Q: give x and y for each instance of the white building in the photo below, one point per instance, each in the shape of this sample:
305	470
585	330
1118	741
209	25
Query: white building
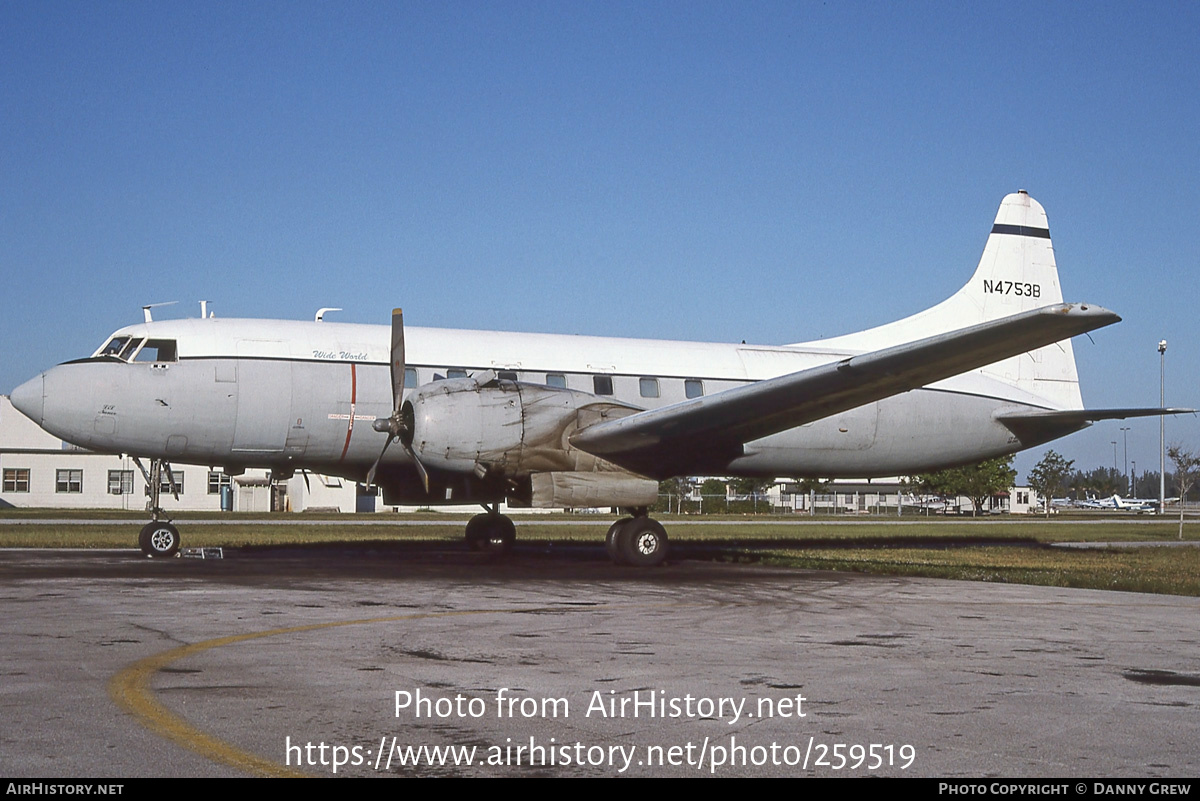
40	471
891	496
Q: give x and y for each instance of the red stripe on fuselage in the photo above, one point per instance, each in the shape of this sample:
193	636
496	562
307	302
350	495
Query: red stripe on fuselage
353	401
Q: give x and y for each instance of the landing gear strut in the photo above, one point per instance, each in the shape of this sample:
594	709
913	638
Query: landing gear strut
491	532
637	541
158	538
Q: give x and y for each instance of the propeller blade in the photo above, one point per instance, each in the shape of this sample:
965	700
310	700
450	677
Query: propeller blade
396	425
420	467
397	363
375	466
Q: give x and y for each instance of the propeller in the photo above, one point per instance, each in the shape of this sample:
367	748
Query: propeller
399	425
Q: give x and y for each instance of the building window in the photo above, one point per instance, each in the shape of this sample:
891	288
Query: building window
216	480
602	384
120	482
693	388
648	387
68	481
556	380
16	479
165	483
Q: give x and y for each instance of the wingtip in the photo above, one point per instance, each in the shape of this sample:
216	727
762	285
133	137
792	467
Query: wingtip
1091	310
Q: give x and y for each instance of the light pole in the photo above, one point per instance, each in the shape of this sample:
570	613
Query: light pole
1133	481
1125	440
1114	444
1162	426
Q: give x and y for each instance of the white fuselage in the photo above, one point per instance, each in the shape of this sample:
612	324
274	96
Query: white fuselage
303	395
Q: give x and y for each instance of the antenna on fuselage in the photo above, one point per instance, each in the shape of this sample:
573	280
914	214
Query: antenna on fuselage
146	309
321	313
204	312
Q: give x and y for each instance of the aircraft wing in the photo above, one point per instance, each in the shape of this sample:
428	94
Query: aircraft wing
705	433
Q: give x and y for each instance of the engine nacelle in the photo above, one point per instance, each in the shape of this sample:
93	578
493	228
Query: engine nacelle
493	427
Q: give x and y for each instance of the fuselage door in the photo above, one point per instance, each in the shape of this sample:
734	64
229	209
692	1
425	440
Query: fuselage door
264	403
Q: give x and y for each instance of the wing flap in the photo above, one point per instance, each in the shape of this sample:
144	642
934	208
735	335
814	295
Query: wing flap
654	442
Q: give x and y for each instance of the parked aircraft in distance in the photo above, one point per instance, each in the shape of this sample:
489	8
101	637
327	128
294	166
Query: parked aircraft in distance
574	421
1138	505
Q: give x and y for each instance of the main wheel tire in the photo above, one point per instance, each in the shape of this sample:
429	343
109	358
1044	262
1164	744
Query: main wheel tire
159	540
643	542
501	535
611	545
477	531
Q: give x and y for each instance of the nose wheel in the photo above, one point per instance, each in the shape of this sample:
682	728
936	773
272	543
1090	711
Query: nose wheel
159	539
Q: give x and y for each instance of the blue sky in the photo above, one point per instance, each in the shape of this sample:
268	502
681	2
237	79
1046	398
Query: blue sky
772	172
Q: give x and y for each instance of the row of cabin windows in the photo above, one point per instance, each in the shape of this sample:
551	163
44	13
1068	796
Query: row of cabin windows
601	384
164	350
120	482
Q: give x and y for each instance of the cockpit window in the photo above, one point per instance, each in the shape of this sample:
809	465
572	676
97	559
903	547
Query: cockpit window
113	348
157	350
128	350
140	350
120	348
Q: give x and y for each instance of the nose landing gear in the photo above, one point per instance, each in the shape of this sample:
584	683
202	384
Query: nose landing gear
158	538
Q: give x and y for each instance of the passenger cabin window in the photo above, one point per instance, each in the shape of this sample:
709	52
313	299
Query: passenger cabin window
507	375
556	380
602	384
648	387
157	350
456	372
410	377
693	388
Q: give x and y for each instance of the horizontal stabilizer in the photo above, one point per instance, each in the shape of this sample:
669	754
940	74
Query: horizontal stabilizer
660	442
1034	428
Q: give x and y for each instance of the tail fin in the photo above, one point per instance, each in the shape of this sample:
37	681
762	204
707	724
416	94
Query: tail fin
1016	273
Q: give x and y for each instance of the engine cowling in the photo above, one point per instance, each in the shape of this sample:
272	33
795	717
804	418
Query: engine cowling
497	427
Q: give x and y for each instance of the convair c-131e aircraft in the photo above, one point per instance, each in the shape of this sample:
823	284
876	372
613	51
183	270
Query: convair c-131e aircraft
560	421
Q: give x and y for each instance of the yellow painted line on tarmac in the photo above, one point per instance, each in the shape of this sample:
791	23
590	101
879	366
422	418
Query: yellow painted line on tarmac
130	689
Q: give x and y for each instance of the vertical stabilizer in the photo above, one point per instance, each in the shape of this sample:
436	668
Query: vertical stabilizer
1016	273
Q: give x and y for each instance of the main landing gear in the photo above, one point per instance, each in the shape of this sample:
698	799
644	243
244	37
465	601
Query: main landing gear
637	541
158	538
491	532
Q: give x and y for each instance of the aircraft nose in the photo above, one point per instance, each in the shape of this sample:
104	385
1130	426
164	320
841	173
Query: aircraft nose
29	398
